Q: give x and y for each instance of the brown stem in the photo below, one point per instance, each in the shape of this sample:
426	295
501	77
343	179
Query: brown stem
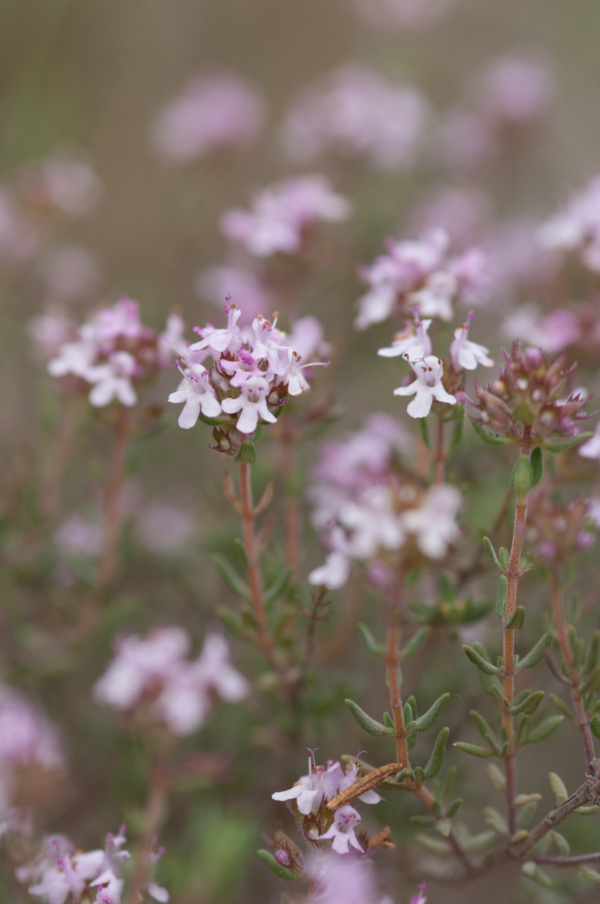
568	862
589	791
583	720
265	640
154	815
292	508
440	454
58	457
392	661
508	645
112	499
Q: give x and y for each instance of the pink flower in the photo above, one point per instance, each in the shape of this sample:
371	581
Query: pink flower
198	395
213	114
412	343
591	448
251	404
354	112
27	737
577	228
113	380
280	216
66	182
342	831
465	354
516	90
427	387
227	339
70	273
434	523
79	537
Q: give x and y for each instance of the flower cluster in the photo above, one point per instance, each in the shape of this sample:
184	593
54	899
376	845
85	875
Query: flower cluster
576	229
31	760
403	15
282	217
558	532
253	373
153	682
310	796
367	507
212	114
113	351
422	274
59	873
524	405
353	112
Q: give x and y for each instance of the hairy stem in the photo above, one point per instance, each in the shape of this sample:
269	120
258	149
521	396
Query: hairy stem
265	640
583	720
568	862
154	815
508	647
112	499
586	793
440	454
392	661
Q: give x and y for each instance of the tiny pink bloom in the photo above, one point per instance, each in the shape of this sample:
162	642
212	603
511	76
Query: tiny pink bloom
341	831
465	354
412	342
113	380
427	387
197	393
252	405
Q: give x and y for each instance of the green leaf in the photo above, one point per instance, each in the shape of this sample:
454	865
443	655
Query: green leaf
533	872
587	811
474	750
489	548
592	683
537	465
524	729
448	783
501	595
232	622
504	557
529	704
568	443
484	730
495	820
389	722
526	814
366	722
595	725
522	478
246	455
593	652
457	433
536	653
497	778
419	775
544	729
559	788
276	866
488	438
453	808
561	843
436	760
230	577
424	430
279	585
425	822
516	621
416	642
589	873
562	706
479	661
369	642
425	721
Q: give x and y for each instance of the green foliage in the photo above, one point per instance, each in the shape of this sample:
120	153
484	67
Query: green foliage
369	642
247	453
501	595
276	867
523	477
516	621
474	750
544	729
366	722
536	654
529	704
537	465
436	760
424	722
482	664
489	548
232	580
488	437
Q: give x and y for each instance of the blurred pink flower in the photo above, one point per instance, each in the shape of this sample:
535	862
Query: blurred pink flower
576	229
65	182
280	216
165	528
465	354
355	112
553	333
213	113
78	537
49	331
70	273
462	213
516	90
19	238
154	678
27	737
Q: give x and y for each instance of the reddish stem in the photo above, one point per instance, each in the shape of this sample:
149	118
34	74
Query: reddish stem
154	815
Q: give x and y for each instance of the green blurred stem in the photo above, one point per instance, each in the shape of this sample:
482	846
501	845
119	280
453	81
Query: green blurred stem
112	498
440	454
513	574
583	720
154	816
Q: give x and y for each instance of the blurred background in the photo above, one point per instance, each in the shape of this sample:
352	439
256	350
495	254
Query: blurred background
94	76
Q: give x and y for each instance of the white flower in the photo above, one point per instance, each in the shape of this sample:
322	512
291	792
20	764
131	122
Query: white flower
466	354
436	296
227	339
267	345
415	344
342	830
427	387
73	358
252	403
334	572
591	448
434	523
198	395
113	380
214	671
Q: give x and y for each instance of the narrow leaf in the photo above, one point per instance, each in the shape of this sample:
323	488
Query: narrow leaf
595	725
247	455
474	750
436	760
562	707
487	437
569	443
453	808
536	653
559	788
479	661
497	778
279	585
529	704
366	722
448	783
501	595
516	620
489	548
369	642
416	642
484	729
424	722
276	866
537	465
545	729
592	684
231	578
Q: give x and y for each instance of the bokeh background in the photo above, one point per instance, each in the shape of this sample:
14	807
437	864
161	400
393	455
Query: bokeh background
95	74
